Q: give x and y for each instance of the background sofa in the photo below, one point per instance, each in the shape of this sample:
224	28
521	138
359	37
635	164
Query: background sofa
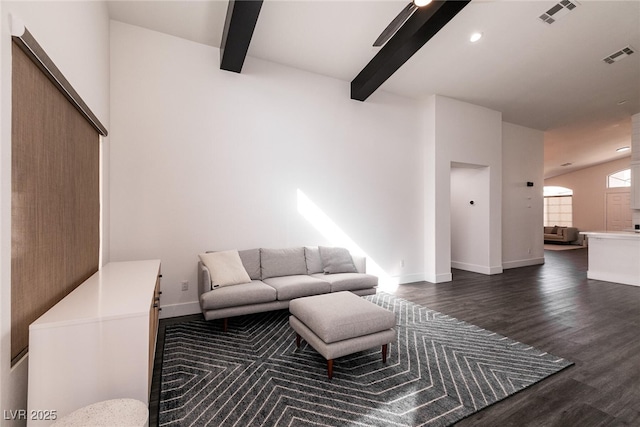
276	276
558	234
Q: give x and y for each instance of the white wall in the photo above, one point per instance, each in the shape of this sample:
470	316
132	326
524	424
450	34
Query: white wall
204	159
522	206
458	132
76	37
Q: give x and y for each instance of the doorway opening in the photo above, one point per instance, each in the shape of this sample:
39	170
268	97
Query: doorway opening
470	218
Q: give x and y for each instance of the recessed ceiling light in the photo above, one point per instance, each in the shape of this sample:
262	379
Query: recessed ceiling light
475	37
421	3
623	149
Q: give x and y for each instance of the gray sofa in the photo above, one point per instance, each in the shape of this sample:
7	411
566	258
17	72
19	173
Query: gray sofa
558	234
276	276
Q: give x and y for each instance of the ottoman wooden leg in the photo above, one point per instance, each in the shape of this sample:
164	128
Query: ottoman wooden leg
384	353
298	340
330	368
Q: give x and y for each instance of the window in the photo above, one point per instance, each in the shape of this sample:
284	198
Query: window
558	206
619	179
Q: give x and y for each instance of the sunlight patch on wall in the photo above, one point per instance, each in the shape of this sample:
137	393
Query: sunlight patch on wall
334	234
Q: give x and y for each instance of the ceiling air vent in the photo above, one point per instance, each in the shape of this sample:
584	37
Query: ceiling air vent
558	11
621	54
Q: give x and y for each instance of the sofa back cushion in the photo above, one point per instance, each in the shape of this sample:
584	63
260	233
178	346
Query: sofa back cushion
336	260
282	262
314	262
251	261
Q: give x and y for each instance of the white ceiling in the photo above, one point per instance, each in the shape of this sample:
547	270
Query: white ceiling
547	77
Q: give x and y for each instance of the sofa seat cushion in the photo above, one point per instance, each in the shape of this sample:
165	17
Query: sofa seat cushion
290	287
254	292
348	281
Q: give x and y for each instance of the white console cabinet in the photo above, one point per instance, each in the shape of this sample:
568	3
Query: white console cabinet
98	343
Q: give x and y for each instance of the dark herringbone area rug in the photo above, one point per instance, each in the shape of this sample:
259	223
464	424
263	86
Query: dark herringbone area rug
439	371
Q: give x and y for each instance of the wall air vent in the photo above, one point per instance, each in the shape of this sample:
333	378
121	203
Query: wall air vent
621	54
558	11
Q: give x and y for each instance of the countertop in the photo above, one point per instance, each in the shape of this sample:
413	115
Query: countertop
114	291
612	234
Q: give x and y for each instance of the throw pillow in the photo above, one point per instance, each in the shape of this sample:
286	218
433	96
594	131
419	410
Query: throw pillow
225	268
336	260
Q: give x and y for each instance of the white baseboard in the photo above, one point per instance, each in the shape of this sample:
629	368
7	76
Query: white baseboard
522	263
482	269
411	278
177	310
496	269
438	278
613	277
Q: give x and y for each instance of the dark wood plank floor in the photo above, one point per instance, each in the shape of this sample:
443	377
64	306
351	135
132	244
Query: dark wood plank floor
553	307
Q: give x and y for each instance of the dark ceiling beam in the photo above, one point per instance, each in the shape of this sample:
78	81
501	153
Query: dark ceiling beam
242	16
419	29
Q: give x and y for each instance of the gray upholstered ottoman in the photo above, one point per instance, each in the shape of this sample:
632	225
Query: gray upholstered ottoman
341	323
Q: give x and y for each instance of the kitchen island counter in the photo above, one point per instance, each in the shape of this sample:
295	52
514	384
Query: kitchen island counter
614	256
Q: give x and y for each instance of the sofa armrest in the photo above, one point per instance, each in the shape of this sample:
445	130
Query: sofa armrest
360	261
570	234
204	279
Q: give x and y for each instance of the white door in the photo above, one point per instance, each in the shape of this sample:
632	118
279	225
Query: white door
618	214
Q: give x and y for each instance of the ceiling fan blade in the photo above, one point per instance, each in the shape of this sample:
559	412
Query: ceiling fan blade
395	24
